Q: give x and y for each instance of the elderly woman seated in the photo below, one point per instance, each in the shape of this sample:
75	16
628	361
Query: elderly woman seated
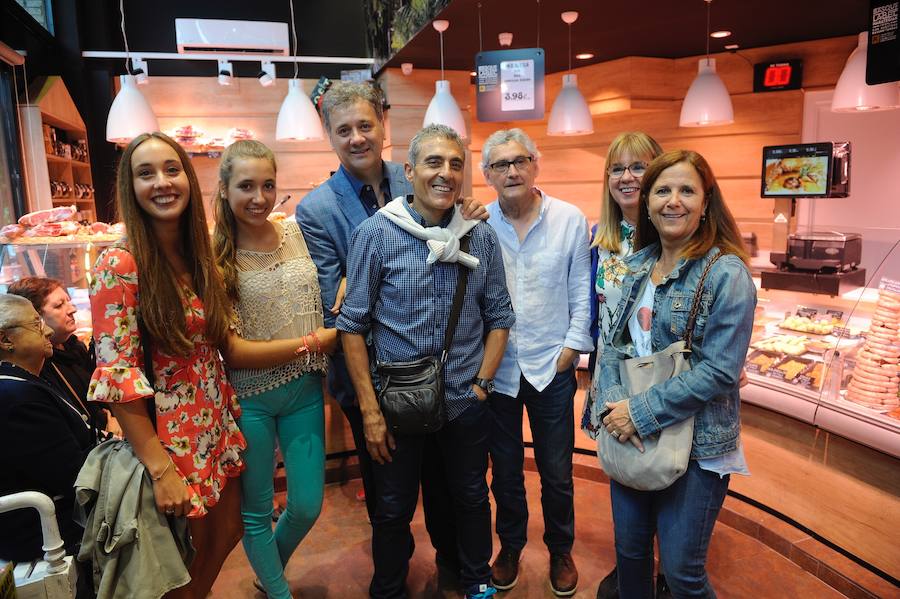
70	368
43	435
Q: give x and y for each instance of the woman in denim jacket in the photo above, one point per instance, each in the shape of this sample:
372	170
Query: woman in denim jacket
683	223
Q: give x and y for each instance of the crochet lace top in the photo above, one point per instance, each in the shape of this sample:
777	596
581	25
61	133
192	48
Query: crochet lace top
279	299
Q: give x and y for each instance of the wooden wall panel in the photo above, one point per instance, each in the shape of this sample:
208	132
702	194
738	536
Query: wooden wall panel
645	94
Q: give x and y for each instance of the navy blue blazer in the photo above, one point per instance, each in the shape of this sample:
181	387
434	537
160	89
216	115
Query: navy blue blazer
328	215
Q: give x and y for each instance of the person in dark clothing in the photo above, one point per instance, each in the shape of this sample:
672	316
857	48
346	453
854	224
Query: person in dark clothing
44	436
70	368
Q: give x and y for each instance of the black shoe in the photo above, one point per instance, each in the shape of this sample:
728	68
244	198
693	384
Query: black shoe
662	587
609	586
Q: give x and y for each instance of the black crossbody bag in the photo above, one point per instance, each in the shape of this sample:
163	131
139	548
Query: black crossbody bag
411	394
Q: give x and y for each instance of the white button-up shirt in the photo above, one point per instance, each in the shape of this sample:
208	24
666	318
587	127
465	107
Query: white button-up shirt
548	276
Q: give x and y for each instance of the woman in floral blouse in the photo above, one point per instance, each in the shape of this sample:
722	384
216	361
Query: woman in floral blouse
627	159
160	289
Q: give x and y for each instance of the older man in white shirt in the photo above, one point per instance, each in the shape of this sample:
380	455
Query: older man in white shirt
546	255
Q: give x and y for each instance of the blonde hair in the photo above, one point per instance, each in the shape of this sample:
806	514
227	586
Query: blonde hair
638	144
162	302
225	232
717	229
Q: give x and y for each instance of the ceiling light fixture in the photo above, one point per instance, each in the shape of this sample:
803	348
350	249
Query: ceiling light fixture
297	118
505	39
266	73
707	101
130	114
731	46
720	34
584	56
443	109
570	114
853	94
226	72
406	68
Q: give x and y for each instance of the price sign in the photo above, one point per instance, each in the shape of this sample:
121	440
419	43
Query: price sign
509	84
516	85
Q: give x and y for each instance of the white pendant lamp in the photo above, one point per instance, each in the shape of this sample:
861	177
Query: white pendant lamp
853	94
130	114
570	114
297	117
443	109
707	102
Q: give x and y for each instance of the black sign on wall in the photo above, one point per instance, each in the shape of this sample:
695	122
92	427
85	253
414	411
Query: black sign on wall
883	62
777	75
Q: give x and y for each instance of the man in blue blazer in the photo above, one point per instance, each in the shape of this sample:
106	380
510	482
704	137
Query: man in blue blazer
328	215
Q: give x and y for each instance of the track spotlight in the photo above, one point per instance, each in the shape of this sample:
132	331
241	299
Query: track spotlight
139	70
226	72
267	74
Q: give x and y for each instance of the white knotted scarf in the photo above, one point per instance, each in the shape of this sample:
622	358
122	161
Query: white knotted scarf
443	243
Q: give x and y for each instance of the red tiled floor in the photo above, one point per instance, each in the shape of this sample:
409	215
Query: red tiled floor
334	560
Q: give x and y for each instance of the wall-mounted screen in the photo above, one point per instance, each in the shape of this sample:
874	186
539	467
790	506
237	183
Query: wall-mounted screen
806	170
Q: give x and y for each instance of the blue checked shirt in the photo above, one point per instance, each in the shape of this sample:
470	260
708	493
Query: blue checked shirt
549	278
406	302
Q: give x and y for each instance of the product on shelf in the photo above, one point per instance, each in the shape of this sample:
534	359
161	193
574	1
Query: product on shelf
761	361
805	324
815	374
792	367
51	215
875	381
59	229
791	345
12	231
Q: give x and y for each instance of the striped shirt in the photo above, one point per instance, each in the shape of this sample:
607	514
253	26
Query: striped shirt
406	303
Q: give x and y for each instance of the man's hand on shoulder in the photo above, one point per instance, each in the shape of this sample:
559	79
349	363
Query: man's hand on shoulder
472	209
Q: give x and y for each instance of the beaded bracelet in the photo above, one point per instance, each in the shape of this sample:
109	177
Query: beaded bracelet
318	342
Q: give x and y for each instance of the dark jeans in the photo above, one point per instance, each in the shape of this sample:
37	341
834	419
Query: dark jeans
463	446
682	517
436	503
550	413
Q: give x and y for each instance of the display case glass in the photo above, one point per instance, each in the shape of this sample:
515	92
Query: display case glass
832	361
69	261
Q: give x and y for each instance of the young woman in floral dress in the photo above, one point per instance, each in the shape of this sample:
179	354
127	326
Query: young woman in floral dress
164	276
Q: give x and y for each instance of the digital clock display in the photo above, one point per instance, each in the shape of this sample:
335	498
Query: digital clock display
777	76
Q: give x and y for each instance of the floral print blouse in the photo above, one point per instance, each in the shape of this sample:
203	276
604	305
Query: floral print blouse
611	271
196	407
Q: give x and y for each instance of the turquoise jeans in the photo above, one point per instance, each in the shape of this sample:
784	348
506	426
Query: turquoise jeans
294	415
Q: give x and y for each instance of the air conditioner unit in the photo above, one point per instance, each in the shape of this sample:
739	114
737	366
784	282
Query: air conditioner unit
231	37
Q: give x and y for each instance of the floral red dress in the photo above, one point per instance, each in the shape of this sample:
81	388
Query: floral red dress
196	407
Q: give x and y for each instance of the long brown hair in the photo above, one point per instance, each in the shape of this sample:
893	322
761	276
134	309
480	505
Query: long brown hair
162	301
225	232
718	229
638	144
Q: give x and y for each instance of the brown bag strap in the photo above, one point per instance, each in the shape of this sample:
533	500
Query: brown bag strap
695	306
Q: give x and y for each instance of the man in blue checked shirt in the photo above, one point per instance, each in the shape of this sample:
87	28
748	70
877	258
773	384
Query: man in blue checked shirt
405	303
547	261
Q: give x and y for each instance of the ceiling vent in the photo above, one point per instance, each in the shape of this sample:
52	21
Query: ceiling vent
231	37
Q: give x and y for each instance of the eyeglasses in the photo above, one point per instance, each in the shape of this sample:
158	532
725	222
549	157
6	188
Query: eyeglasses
637	170
501	166
39	322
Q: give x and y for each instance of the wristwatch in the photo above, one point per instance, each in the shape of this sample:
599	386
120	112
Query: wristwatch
486	384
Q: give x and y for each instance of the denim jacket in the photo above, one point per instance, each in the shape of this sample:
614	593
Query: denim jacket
709	391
